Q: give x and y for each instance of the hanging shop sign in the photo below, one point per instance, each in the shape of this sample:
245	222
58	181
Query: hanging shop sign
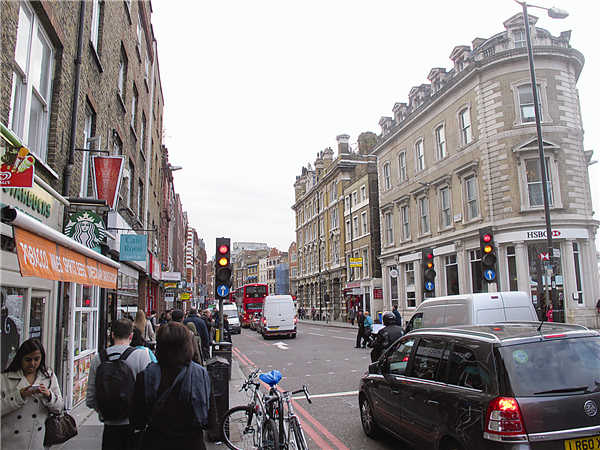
17	165
133	247
356	262
377	293
171	276
42	258
184	296
170	285
107	178
87	228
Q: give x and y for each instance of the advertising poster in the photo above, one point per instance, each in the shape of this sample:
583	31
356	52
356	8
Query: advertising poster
17	164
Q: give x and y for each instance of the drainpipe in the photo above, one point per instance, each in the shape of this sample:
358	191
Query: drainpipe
60	313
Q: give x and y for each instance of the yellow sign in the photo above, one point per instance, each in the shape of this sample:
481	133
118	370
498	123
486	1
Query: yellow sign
170	285
356	262
185	296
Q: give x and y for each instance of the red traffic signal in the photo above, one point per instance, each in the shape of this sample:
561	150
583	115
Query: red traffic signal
223	249
488	254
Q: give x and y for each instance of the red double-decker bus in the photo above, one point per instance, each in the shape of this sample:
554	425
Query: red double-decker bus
250	298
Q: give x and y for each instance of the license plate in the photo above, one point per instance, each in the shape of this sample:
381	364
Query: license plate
273	328
584	443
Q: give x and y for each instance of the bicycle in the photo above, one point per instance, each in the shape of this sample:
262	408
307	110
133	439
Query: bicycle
291	437
251	426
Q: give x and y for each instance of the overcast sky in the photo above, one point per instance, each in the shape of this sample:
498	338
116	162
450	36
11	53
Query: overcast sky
254	89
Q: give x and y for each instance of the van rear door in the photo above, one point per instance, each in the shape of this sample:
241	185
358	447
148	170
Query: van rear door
285	315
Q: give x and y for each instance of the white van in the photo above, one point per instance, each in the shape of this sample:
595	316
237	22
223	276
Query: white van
232	317
278	316
473	309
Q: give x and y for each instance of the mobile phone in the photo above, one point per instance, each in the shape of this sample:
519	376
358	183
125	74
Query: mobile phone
34	387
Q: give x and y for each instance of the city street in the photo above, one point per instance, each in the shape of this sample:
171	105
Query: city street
324	358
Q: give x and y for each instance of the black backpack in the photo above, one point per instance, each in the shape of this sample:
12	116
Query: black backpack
115	384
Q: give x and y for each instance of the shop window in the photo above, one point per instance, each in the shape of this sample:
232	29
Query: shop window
577	261
409	284
86	319
476	277
452	286
512	268
538	279
13	318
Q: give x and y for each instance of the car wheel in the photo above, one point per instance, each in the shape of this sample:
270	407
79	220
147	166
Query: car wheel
294	336
366	418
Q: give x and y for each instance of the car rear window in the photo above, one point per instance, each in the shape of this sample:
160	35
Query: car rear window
554	366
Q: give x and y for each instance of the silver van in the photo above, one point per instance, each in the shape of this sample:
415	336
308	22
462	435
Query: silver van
473	309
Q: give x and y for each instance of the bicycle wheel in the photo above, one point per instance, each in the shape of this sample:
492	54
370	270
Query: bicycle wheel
240	428
270	436
299	441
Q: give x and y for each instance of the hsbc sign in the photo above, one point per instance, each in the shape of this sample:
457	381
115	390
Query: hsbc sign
540	234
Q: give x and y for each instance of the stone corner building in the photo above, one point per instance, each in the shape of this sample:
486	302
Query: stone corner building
336	208
462	154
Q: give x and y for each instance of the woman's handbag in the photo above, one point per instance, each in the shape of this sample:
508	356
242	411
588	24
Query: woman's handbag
59	427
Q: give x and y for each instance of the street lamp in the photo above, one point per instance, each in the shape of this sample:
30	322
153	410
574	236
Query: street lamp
554	13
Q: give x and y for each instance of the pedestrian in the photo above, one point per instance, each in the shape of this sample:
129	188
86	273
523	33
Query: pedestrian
163	318
145	327
313	311
351	316
138	341
111	383
397	315
153	320
201	330
171	399
226	328
197	344
177	315
30	391
550	314
368	328
360	320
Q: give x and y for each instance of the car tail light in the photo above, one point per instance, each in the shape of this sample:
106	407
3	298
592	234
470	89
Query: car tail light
504	419
295	320
264	321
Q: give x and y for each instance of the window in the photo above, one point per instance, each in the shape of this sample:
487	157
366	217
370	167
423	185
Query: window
440	142
365	225
464	369
86	318
464	117
520	39
389	230
140	199
419	155
405	213
333	191
134	103
354	198
445	213
533	173
424	212
476	276
363	193
130	184
365	262
393	271
32	83
143	135
95	33
122	74
402	166
577	261
472	204
333	216
347	203
512	268
526	105
409	284
356	229
387	182
348	230
89	125
399	357
428	359
452	287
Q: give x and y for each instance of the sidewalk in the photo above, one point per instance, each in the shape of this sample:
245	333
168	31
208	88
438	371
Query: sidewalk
89	428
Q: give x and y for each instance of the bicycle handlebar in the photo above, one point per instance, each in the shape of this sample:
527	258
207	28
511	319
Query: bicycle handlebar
304	391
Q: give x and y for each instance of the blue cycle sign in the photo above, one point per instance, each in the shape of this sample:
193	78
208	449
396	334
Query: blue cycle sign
429	286
222	290
489	275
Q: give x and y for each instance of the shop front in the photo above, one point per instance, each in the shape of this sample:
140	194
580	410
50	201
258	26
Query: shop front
44	255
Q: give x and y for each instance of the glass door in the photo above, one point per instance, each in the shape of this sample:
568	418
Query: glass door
36	318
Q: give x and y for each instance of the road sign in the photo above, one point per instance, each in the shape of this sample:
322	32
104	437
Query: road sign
429	286
490	275
222	290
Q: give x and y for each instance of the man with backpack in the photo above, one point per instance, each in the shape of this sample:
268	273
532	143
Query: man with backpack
111	384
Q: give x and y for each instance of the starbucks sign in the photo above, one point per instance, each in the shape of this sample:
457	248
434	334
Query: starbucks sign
87	228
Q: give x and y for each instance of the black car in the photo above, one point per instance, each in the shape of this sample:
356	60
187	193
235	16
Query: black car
501	386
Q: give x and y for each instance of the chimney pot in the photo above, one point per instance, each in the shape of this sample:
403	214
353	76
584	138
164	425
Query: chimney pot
343	147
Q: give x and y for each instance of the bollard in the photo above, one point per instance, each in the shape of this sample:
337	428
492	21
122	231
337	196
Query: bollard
218	369
223	349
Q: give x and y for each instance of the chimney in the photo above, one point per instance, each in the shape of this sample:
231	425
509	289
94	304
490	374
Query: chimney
366	142
343	147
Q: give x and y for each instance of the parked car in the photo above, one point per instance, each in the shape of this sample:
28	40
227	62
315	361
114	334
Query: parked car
278	316
472	309
499	386
255	321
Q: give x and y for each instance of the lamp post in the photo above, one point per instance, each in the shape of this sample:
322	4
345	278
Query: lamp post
554	13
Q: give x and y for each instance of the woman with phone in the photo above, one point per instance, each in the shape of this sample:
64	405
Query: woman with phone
29	391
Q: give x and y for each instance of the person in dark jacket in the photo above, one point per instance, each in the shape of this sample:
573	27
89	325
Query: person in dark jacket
386	336
171	398
201	328
397	315
361	328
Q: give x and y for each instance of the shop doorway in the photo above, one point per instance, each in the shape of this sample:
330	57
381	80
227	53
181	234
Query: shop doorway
37	318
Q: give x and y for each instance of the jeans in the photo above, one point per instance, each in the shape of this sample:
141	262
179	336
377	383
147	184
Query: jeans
117	437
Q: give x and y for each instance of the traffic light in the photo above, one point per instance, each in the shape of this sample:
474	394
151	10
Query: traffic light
222	268
428	272
488	254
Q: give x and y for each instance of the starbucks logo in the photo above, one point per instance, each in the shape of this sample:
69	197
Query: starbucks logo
87	228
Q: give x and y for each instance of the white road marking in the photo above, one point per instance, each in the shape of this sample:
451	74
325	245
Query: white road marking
281	345
308	374
327	360
333	394
331	373
316	334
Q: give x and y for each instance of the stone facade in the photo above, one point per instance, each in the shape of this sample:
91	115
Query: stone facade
324	198
463	155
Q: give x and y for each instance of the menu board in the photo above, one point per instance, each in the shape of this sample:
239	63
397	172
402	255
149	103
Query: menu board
81	371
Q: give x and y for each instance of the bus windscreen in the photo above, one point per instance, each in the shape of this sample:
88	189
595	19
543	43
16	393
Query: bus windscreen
256	291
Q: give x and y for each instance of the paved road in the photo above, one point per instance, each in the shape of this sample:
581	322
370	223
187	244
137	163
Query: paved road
325	359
